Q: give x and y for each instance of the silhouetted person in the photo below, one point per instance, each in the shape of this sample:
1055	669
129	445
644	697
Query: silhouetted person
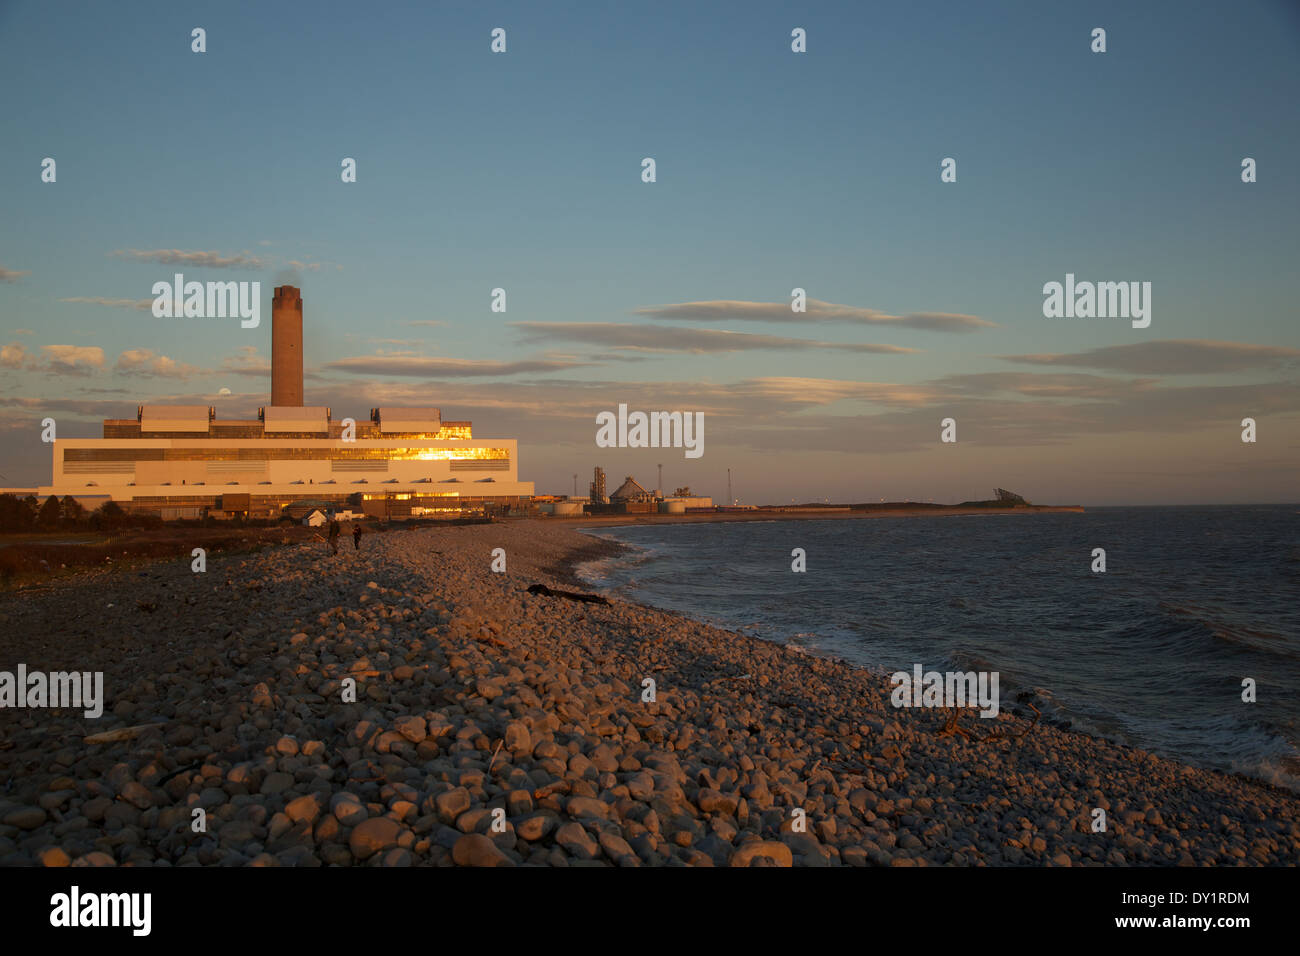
356	537
335	531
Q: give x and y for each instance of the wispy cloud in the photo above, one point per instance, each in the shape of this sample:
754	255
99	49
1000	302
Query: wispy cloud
817	311
198	259
309	265
12	275
443	367
624	356
653	338
91	409
794	392
1171	357
246	361
143	305
429	323
1049	386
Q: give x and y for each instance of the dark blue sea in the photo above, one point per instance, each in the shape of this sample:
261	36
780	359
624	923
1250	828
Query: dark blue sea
1152	653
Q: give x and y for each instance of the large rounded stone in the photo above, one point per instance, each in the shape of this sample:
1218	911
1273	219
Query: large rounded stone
586	807
577	841
534	827
452	804
372	836
771	850
53	856
303	808
413	729
518	739
474	849
713	801
138	795
277	782
25	818
348	809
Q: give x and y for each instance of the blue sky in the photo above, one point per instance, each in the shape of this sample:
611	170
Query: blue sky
775	170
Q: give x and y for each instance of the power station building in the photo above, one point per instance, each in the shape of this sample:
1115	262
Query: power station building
183	461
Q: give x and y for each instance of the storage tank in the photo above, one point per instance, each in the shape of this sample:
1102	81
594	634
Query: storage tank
566	509
672	507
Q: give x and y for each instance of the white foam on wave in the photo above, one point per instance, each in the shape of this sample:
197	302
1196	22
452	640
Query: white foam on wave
603	572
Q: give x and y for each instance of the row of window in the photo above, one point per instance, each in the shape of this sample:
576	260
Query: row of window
276	501
285	454
364	430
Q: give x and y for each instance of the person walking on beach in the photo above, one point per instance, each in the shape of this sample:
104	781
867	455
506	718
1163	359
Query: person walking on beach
356	537
335	531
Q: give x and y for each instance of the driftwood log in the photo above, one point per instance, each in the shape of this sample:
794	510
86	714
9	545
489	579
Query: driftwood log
571	595
122	733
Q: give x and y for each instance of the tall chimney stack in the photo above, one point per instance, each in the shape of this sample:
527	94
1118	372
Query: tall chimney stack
286	346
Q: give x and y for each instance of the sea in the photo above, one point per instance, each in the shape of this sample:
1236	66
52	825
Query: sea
1152	652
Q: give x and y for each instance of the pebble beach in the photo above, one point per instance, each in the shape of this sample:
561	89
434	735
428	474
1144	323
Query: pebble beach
496	727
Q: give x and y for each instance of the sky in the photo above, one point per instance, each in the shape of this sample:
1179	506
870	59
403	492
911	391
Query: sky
775	170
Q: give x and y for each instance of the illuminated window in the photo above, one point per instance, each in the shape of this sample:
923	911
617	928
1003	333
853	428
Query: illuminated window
285	454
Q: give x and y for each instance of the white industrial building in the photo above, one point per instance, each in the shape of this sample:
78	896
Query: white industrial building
182	461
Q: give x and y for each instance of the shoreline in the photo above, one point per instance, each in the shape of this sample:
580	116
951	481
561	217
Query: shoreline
474	694
806	514
580	557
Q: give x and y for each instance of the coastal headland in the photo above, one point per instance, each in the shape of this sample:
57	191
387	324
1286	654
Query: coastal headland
492	726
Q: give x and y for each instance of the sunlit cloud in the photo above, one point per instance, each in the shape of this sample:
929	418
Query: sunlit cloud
14	355
72	359
146	362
